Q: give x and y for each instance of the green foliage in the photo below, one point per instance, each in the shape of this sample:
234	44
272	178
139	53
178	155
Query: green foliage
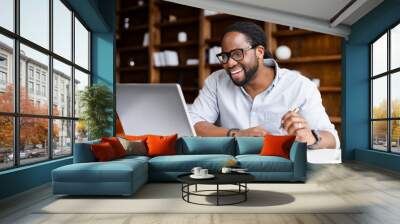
96	102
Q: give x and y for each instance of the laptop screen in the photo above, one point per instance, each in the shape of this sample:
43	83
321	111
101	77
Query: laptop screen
158	109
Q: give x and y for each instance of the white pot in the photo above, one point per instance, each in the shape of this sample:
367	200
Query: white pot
283	52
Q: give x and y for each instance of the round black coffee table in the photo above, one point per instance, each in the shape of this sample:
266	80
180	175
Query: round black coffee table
238	179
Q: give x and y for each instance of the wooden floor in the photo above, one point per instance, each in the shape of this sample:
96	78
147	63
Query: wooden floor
378	188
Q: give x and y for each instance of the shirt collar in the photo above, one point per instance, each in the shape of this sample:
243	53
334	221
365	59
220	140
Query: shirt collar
270	63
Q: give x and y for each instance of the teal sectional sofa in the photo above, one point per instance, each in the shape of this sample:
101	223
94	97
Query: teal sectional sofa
125	176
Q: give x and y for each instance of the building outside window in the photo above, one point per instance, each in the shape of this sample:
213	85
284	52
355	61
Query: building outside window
30	87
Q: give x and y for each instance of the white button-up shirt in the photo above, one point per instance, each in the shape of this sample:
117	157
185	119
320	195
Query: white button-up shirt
220	99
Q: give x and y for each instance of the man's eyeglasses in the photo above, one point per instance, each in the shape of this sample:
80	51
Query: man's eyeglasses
235	54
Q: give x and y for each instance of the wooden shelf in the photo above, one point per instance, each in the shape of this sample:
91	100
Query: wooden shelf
132	9
337	89
177	44
133	68
179	22
323	62
134	29
291	33
178	67
335	120
215	65
306	59
213	41
132	48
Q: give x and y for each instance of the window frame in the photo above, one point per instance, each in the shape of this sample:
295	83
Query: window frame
16	114
388	74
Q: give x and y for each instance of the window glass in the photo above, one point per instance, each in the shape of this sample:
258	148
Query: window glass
62	29
34	142
6	74
62	138
379	56
62	91
39	61
6	142
81	45
395	47
379	98
81	82
395	138
395	95
34	21
379	135
7	14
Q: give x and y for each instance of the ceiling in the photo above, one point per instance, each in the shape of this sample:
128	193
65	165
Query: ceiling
326	16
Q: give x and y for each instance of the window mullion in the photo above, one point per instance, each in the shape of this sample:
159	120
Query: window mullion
16	84
50	81
73	82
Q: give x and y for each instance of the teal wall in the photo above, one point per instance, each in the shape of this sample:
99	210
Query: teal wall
356	85
99	15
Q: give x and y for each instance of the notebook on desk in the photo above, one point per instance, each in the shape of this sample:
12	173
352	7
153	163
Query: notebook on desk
158	109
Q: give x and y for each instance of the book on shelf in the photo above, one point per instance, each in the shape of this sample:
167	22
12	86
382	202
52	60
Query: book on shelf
212	59
166	58
192	61
146	39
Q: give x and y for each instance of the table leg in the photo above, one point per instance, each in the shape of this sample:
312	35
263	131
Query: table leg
196	188
245	191
217	194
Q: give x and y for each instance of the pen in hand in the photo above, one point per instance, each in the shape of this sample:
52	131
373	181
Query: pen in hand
295	110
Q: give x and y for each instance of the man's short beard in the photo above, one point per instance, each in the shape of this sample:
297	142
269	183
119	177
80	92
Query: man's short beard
248	75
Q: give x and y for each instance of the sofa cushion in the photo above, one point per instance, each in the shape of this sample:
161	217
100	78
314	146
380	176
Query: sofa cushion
277	145
112	171
133	147
257	163
161	145
206	145
185	163
103	151
249	145
116	145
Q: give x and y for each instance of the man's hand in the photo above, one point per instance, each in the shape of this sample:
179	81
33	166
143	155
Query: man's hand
254	131
294	124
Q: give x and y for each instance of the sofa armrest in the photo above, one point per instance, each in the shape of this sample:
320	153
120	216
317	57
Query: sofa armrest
298	155
83	153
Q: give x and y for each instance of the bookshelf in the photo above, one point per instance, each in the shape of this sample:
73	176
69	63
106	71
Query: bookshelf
315	55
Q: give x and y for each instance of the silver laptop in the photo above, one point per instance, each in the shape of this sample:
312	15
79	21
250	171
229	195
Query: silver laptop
158	109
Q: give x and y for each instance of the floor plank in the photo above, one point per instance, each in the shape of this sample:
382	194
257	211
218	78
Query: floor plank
377	189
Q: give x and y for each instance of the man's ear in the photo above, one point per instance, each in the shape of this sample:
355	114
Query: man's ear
260	52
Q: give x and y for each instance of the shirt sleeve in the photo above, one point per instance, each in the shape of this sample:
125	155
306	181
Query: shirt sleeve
314	112
205	107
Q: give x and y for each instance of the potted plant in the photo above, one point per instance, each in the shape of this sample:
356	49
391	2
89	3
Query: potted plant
96	102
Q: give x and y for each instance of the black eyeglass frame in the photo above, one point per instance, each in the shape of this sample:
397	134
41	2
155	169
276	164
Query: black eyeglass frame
219	55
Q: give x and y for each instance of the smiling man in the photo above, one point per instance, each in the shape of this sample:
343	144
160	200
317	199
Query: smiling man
253	96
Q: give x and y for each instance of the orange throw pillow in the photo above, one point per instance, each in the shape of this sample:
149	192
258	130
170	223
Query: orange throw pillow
136	137
277	145
116	145
161	145
103	152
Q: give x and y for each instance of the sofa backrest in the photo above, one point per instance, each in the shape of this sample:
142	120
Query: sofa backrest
83	153
249	145
206	145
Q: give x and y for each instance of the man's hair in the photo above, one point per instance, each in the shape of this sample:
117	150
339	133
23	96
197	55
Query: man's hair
255	35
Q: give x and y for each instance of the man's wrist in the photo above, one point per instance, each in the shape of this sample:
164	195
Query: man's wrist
317	139
232	132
